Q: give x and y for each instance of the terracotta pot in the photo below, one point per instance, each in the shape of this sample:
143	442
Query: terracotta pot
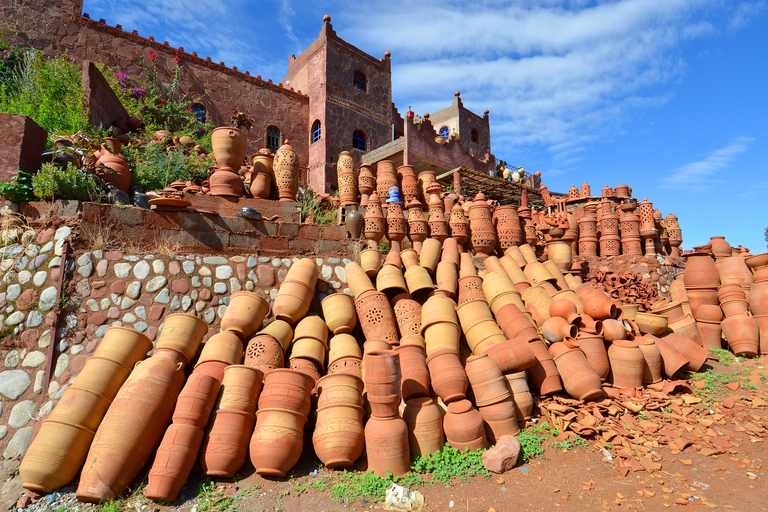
339	312
734	270
594	350
557	328
442	336
387	446
700	271
340	389
261	184
459	226
463	426
264	353
734	307
483	232
382	373
338	437
544	374
123	345
626	364
579	378
55	456
537	273
762	326
673	360
425	426
514	323
183	333
225	183
240	388
397	227
213	368
229	147
651	324
346	365
523	400
377	319
613	330
488	384
430	253
287	173
281	331
447	375
288	389
390	280
311	327
383	406
419	282
385	178
470	288
196	401
652	361
343	345
566	309
711	334
508	228
408	314
132	427
117	171
370	261
174	461
277	440
499	419
308	367
292	301
80	407
698	297
437	310
414	380
599	307
374	221
513	355
375	346
537	303
695	354
224	346
742	334
244	314
225	447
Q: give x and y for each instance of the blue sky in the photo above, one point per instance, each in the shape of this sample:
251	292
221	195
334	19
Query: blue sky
667	96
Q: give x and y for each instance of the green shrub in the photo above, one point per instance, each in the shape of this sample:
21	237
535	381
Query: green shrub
56	182
48	91
155	166
19	189
450	463
11	56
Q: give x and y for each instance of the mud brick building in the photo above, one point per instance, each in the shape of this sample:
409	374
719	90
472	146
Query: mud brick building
335	97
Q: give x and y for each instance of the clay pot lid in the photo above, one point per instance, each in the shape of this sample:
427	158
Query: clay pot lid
286	145
459	406
415	203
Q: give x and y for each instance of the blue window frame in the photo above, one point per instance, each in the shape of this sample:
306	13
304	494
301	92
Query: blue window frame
317	131
444	132
358	140
200	112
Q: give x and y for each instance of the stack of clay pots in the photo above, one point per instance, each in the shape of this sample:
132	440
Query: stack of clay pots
338	437
758	299
59	450
229	149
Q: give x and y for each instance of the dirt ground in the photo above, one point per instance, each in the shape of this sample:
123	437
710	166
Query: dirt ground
720	465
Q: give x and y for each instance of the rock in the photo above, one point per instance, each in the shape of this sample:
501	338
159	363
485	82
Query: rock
133	290
503	456
21	413
86	270
39	378
132	257
141	327
196	282
266	275
164	297
186	303
252	262
15	318
235	285
48	298
188	267
141	270
129	318
215	260
122	270
35	319
180	286
156	283
14	291
102	267
210	316
277	262
27	299
45	339
158	266
326	272
13	383
25	276
62	232
141	312
224	272
127	303
341	274
174	268
61	365
205	272
33	359
12	360
83	287
39	278
175	303
218	288
18	444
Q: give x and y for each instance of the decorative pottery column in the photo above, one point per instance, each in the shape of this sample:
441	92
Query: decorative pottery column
481	226
507	226
426	178
418	229
385	178
610	242
347	179
630	230
648	229
408	183
286	166
675	235
396	224
459	226
438	227
366	183
585	190
588	232
374	222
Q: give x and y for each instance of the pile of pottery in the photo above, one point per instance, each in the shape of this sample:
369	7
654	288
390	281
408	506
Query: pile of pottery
110	165
232	179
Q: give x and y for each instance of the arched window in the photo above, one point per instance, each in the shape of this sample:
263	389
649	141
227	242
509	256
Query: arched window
474	136
273	138
200	112
444	132
317	131
358	140
360	80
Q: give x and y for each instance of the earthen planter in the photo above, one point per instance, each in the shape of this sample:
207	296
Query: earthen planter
512	356
182	333
277	441
229	147
339	312
742	334
264	353
463	426
338	437
447	375
579	378
652	362
224	346
626	364
425	426
594	349
518	385
387	446
244	314
225	447
287	389
174	461
286	168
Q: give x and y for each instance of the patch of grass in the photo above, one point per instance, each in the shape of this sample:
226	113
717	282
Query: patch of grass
450	463
111	506
531	441
210	498
725	357
714	383
310	484
370	486
571	442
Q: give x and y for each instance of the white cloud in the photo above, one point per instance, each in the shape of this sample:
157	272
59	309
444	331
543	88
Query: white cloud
745	13
704	173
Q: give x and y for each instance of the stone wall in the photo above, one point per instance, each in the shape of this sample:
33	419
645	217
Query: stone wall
106	288
22	141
